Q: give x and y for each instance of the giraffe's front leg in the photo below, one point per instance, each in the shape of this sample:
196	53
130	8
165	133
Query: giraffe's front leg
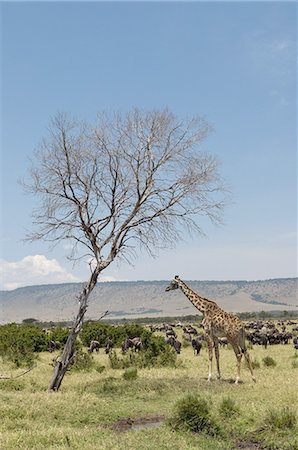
210	354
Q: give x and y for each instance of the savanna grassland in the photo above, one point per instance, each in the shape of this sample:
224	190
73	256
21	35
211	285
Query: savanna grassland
90	407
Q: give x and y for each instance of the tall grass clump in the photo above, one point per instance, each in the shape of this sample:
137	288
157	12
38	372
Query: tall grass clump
268	361
192	413
130	374
228	407
254	362
279	419
295	364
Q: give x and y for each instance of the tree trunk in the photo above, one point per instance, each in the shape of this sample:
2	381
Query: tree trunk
69	353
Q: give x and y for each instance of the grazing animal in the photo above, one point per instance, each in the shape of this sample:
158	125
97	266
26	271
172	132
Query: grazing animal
217	323
174	343
94	345
190	330
295	342
52	346
171	333
223	341
109	345
134	343
196	345
186	337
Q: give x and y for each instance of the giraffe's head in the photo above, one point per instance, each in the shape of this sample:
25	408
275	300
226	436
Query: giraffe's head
174	284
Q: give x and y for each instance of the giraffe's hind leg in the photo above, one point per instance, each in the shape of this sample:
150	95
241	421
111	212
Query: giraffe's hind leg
216	351
238	354
249	363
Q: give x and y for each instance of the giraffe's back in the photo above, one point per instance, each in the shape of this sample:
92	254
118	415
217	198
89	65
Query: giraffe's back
225	324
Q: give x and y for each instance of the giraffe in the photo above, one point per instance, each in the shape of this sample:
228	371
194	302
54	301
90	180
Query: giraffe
217	323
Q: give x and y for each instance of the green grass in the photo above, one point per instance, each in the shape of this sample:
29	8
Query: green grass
81	415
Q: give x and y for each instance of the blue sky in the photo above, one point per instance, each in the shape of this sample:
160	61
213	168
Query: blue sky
231	62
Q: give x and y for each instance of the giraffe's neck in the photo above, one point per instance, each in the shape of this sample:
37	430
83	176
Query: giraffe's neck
199	302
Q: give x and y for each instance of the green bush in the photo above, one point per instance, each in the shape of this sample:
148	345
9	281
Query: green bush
19	343
156	353
101	331
130	374
59	334
268	361
228	407
280	419
192	413
82	361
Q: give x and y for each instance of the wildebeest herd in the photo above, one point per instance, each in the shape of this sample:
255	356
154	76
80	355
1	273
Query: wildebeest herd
270	333
258	332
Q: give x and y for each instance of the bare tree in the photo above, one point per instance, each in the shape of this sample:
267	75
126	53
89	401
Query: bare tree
125	183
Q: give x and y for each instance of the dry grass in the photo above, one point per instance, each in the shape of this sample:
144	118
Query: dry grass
81	414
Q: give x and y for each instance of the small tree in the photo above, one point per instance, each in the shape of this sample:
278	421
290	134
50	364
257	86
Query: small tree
127	182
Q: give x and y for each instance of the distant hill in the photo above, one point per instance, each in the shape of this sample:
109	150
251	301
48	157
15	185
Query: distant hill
145	299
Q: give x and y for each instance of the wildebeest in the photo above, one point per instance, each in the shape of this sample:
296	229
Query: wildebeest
109	345
295	342
190	330
94	345
52	346
223	341
187	337
196	345
174	343
257	338
134	343
171	332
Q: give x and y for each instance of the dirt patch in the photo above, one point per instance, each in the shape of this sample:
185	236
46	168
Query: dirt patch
247	445
138	423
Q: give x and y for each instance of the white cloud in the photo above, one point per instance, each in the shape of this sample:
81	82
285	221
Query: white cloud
31	270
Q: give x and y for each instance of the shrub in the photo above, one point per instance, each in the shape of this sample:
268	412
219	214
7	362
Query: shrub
268	361
280	419
192	413
156	353
18	343
130	374
228	407
59	334
82	361
101	332
95	331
